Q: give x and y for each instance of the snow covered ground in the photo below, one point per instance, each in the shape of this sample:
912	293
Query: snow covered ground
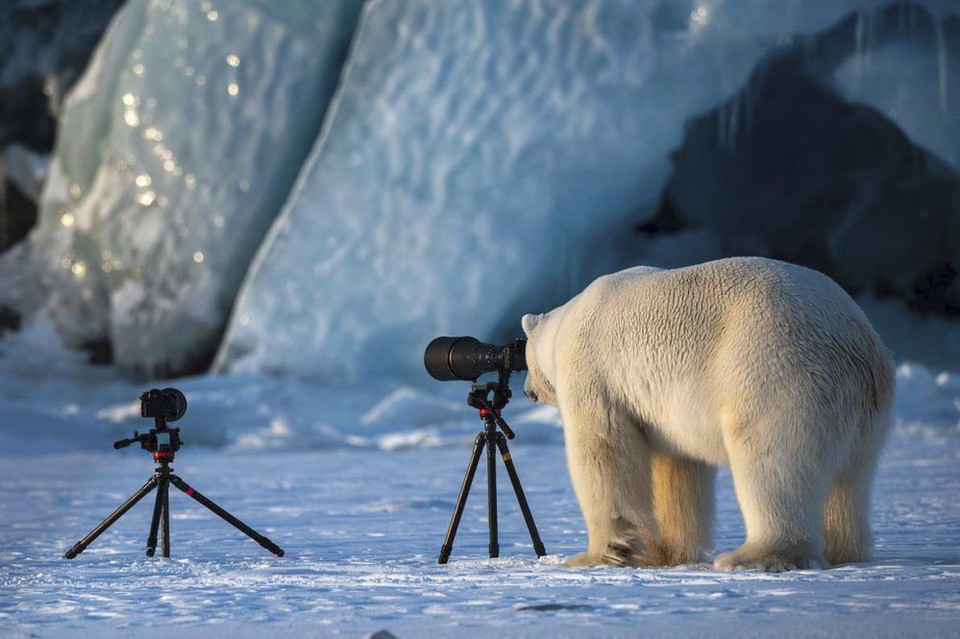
358	484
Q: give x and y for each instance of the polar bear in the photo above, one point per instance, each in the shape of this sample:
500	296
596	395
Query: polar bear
661	375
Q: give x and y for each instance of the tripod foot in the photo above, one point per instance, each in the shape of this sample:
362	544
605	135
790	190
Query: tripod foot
73	552
445	551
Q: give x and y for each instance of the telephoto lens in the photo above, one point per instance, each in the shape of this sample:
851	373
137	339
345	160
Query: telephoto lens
467	358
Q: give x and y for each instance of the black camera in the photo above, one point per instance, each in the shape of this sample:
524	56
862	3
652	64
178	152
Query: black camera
467	358
168	404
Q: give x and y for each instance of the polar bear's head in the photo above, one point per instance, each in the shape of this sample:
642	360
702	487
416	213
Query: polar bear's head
539	353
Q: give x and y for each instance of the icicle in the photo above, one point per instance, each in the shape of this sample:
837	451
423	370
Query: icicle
864	35
941	63
749	94
734	123
858	55
728	120
722	125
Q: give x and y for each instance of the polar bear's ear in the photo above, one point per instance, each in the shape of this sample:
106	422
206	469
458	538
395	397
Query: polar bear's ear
528	322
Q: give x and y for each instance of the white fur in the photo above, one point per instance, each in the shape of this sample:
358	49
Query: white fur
660	375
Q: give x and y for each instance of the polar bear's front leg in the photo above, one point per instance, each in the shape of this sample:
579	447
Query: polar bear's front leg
610	469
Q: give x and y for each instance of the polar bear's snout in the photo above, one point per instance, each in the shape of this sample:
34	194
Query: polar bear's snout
537	387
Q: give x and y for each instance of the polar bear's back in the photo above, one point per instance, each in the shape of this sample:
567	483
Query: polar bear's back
771	302
698	303
734	338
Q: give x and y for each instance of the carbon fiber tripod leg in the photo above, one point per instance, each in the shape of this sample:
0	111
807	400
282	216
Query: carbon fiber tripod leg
155	520
447	547
81	545
521	497
492	497
230	519
165	519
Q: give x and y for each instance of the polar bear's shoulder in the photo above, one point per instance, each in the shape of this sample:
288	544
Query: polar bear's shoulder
614	282
728	274
711	287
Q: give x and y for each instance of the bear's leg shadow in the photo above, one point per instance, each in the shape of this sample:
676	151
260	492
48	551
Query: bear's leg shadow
610	469
683	503
782	495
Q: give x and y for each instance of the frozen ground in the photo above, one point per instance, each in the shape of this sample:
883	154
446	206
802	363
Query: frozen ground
357	485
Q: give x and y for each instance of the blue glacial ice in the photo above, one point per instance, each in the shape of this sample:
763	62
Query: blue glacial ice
478	160
176	150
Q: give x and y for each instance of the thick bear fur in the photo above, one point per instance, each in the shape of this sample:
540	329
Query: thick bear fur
661	375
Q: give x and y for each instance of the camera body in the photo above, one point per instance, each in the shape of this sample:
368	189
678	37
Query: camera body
168	404
467	358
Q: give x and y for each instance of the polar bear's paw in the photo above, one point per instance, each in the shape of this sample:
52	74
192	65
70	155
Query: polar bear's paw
584	560
768	559
670	555
628	552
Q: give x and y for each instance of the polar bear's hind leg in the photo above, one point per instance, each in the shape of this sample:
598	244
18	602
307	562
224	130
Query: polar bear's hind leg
781	494
846	516
683	502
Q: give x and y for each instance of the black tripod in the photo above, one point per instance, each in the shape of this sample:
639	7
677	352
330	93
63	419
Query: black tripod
492	439
163	442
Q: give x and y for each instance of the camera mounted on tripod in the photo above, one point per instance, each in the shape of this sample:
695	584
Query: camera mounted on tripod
164	405
466	359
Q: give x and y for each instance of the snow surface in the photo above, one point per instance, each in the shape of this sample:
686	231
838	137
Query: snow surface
357	485
448	185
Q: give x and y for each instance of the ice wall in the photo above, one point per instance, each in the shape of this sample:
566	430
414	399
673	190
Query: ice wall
910	71
795	167
470	145
481	161
44	46
176	150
